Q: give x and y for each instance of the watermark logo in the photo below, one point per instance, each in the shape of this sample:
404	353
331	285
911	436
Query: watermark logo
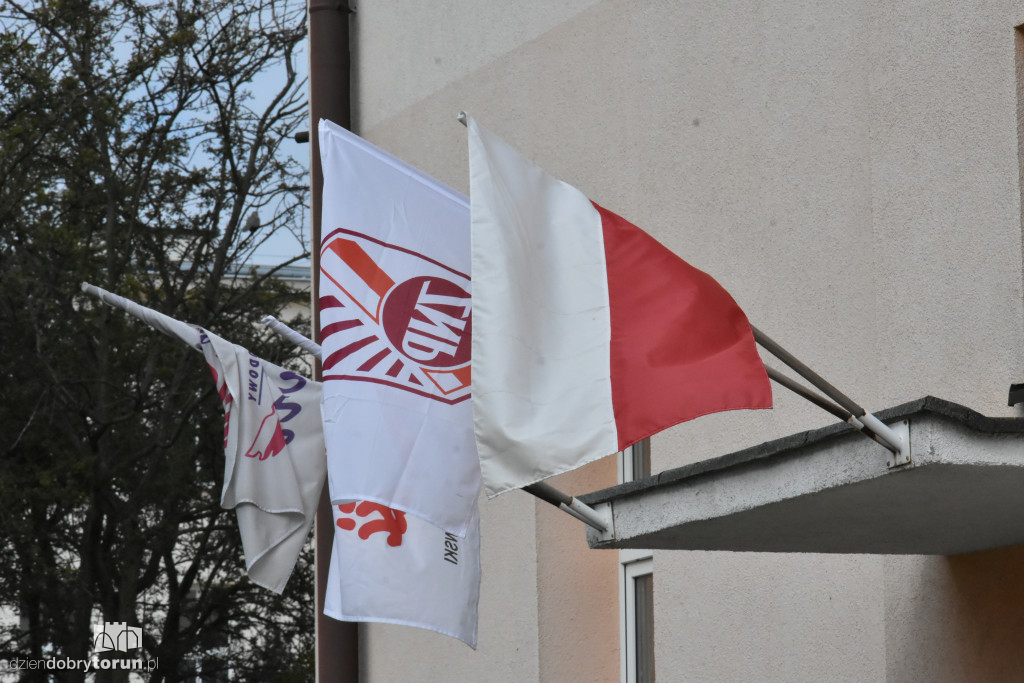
114	637
117	636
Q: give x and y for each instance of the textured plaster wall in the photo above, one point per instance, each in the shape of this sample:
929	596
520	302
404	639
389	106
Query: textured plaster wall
849	171
767	617
577	589
956	618
413	49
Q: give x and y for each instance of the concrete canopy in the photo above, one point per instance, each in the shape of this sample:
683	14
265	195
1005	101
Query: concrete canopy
830	490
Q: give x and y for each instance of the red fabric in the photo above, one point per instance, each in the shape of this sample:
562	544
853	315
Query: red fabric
680	346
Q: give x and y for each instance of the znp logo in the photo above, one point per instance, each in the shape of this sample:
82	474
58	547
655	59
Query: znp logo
397	318
116	636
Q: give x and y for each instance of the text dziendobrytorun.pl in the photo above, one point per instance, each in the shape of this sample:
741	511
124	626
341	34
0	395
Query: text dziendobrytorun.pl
69	664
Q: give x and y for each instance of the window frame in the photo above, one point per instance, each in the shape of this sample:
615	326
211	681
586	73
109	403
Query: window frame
633	563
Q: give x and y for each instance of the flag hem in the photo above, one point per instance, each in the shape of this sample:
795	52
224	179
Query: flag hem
400	622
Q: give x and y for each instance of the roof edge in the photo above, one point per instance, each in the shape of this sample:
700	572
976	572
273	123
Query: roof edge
927	405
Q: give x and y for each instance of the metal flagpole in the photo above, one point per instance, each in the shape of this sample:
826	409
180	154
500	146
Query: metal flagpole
307	345
566	503
337	642
824	403
869	423
542	490
804	392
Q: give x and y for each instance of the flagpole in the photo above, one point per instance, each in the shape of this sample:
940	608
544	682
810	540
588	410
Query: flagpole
156	319
823	403
872	425
337	642
804	392
282	330
566	503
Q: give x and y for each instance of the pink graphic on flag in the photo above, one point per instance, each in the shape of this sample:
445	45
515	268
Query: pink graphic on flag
269	440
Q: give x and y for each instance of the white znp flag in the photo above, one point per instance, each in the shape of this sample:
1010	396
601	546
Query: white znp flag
395	324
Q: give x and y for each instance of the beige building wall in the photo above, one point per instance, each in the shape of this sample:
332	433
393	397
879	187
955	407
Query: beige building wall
850	172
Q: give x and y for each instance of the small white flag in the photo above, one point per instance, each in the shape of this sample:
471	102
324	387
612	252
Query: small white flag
275	462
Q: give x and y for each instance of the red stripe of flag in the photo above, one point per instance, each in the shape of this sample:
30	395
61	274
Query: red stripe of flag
680	345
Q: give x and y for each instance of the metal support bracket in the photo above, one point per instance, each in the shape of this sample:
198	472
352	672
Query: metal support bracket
901	429
604	511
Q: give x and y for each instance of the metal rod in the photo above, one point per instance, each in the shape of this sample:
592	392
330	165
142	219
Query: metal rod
307	345
581	511
883	431
547	493
293	336
884	434
810	375
804	392
823	403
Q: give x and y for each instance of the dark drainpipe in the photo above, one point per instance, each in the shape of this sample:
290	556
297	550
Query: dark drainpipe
337	642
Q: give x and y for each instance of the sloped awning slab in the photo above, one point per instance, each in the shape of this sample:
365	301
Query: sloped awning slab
831	491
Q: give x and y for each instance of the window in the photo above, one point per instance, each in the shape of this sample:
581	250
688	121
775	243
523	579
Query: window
635	462
636	585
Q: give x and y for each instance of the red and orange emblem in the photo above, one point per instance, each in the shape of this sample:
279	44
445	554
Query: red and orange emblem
396	318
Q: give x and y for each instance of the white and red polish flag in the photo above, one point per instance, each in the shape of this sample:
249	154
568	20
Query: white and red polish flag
274	467
395	327
589	335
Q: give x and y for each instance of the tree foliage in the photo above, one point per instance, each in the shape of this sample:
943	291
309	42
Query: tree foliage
134	148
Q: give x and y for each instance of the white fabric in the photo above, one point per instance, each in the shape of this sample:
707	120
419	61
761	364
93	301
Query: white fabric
431	579
542	401
275	457
401	581
405	439
274	465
